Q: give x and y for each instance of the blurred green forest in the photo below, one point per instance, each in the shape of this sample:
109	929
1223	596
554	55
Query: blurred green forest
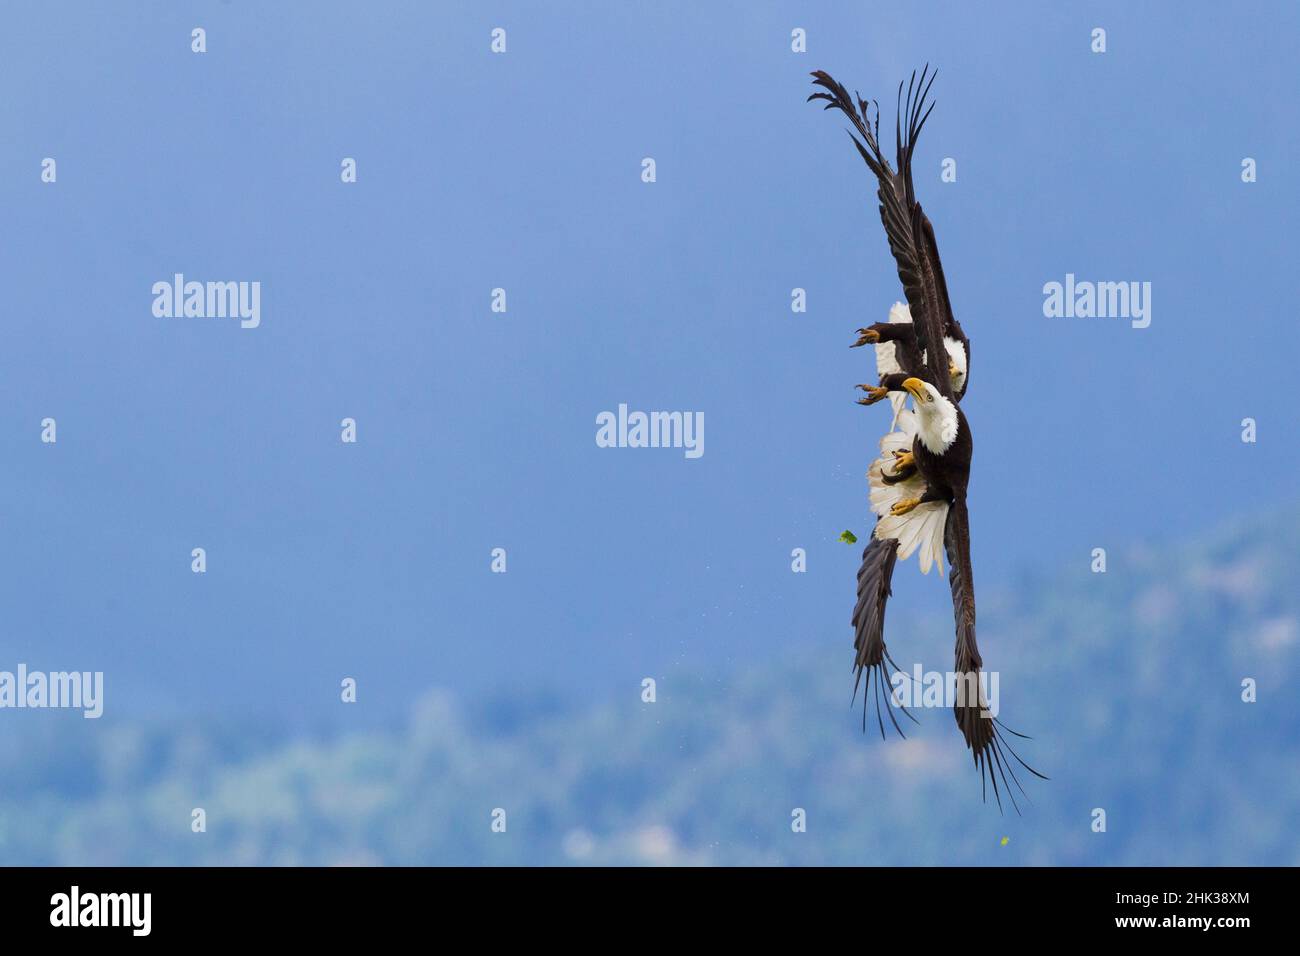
1129	681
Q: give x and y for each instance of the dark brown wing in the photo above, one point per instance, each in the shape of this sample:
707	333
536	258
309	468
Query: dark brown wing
893	190
930	328
917	91
937	318
940	321
906	225
983	732
872	657
932	265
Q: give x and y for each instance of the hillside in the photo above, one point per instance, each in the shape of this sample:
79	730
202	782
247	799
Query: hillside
1130	683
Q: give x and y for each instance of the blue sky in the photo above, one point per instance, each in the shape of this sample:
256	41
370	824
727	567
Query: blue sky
476	430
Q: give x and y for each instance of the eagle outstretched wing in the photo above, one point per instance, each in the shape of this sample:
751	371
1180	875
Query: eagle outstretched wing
933	267
983	732
872	657
908	229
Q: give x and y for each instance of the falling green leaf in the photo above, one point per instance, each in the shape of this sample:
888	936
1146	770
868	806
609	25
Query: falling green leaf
1006	840
848	537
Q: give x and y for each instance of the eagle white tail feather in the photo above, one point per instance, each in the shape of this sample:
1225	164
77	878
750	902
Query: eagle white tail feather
921	529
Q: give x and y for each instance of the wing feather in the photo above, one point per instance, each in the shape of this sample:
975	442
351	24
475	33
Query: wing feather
895	215
932	265
907	228
983	732
929	328
871	656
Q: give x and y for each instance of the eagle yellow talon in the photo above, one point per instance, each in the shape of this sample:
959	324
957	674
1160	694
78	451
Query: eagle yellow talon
903	459
904	506
874	394
866	336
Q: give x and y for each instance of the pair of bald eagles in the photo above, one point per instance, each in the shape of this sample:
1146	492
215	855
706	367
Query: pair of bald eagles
918	483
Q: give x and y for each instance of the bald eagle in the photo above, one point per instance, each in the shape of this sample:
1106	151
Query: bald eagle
920	488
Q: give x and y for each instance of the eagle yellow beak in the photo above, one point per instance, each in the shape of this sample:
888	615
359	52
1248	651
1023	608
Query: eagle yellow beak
916	388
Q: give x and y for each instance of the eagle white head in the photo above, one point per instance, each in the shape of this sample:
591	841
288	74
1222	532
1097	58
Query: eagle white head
956	363
936	416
